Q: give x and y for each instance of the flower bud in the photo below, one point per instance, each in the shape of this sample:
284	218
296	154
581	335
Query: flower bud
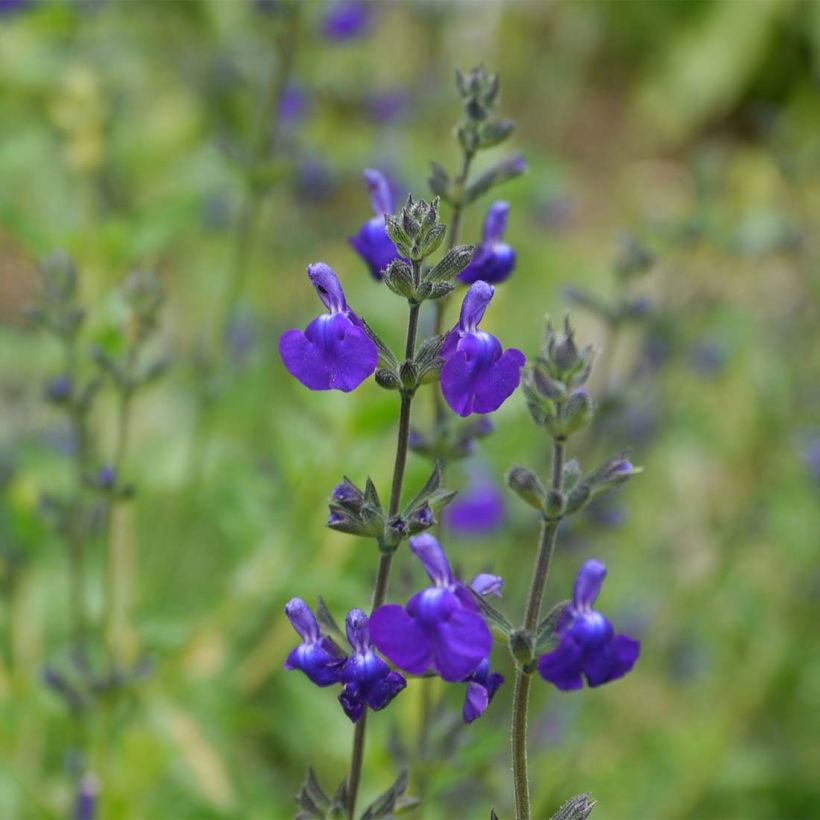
527	486
399	278
578	411
387	379
554	504
420	519
521	646
409	375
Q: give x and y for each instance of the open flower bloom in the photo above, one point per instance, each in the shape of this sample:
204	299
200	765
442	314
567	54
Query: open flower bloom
477	376
440	630
372	242
367	679
334	352
493	260
317	656
588	645
347	20
481	686
476	510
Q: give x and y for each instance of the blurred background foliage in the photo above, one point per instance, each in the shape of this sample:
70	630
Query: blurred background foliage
221	144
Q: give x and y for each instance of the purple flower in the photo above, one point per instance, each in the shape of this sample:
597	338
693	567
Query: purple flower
293	105
481	686
334	352
85	800
59	389
385	107
587	644
487	584
317	656
477	376
493	260
440	629
347	19
367	679
477	509
372	242
106	477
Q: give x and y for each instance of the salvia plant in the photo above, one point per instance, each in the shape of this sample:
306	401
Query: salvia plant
92	676
448	628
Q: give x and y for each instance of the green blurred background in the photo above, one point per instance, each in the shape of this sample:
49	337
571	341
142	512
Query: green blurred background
130	136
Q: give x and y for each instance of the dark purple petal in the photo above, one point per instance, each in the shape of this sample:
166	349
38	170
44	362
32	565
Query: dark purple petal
563	666
495	223
612	661
462	642
321	661
401	639
476	701
328	286
474	306
302	619
385	689
428	550
491	263
379	189
353	701
588	584
487	584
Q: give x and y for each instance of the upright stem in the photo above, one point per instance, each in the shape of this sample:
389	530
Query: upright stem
521	692
383	574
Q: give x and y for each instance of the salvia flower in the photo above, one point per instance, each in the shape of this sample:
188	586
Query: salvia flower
334	352
367	679
478	376
481	686
440	630
347	20
317	656
372	242
477	509
494	259
588	646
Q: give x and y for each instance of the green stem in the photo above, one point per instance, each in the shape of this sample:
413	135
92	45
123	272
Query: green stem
383	575
521	693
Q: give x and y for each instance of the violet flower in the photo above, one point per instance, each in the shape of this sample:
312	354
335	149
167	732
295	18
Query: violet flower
481	686
477	509
588	645
477	376
367	679
493	260
440	630
317	656
334	352
347	20
372	242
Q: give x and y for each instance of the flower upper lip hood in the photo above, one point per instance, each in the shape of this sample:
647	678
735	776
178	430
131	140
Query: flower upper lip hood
372	241
334	352
478	376
494	260
588	646
440	629
317	656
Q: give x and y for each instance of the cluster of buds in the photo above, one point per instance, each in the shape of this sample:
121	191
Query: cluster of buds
554	384
431	283
416	229
58	310
359	512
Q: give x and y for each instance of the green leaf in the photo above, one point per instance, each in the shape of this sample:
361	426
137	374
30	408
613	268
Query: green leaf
497	620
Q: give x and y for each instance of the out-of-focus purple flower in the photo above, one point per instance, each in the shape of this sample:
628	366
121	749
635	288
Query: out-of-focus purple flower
493	260
477	376
293	105
367	679
440	629
85	801
708	358
106	477
385	107
10	6
477	509
313	180
810	453
334	352
588	646
348	19
372	242
240	336
481	686
58	390
317	656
